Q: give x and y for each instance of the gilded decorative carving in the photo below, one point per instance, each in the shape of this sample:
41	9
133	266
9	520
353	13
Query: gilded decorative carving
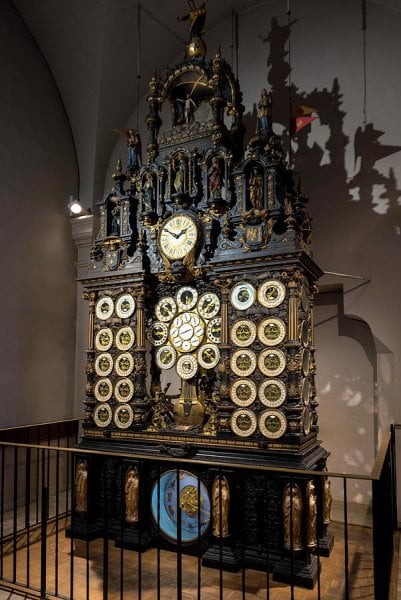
311	498
81	486
292	517
221	507
131	492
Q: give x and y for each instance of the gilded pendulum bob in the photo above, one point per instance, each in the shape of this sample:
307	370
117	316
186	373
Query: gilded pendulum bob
189	410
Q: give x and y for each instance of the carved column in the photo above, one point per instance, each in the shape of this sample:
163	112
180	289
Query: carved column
90	363
140	402
225	406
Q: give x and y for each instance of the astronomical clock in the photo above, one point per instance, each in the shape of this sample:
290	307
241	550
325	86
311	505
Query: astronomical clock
201	356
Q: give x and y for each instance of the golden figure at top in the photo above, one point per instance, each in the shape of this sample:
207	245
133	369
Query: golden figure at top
196	17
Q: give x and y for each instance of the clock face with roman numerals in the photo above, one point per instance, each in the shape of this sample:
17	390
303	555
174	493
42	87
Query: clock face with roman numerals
178	236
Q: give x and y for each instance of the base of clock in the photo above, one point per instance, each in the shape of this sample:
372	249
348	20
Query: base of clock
297	572
326	543
134	539
222	556
81	529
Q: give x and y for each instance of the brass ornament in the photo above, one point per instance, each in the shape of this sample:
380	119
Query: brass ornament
292	517
81	486
131	495
220	507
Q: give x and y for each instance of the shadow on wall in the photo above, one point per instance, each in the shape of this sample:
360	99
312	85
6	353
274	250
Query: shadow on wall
366	188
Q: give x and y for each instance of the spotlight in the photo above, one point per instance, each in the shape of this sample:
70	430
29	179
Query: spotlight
75	207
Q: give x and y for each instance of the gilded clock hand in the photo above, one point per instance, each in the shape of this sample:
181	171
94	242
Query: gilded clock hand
182	232
175	235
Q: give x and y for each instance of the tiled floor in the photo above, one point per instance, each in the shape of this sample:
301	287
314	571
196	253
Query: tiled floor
88	559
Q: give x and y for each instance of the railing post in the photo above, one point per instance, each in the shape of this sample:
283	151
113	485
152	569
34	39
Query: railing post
43	528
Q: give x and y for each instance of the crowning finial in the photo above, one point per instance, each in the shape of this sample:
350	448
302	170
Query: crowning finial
196	16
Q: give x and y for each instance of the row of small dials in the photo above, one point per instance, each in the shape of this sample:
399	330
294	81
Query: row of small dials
123	415
123	307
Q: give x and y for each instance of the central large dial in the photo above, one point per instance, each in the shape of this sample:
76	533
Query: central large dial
187	332
178	236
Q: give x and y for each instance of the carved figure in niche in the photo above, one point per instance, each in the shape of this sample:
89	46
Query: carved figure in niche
196	17
115	214
312	515
185	109
134	148
265	111
179	178
215	178
131	490
149	192
221	506
327	501
256	189
292	517
81	486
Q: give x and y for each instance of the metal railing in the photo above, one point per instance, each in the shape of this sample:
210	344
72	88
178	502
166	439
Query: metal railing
49	549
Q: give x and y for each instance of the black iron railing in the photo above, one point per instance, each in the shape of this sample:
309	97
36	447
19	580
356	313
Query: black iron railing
50	548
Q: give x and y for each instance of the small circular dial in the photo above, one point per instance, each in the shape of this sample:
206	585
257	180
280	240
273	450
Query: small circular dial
124	390
208	356
208	305
102	415
271	331
305	362
158	333
178	236
124	364
243	392
125	338
307	420
272	393
243	422
306	390
243	362
123	416
187	366
104	308
104	339
272	424
103	389
213	330
305	300
187	332
271	293
165	357
243	333
104	364
304	333
271	362
186	298
165	309
125	306
242	295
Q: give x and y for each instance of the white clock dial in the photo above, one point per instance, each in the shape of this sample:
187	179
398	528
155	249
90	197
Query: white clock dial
187	366
208	356
186	298
157	333
271	293
208	305
242	295
178	236
165	309
186	332
214	330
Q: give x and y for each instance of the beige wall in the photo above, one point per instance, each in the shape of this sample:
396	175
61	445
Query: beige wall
37	172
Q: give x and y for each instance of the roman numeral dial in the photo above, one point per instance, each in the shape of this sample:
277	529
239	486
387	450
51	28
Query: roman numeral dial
178	236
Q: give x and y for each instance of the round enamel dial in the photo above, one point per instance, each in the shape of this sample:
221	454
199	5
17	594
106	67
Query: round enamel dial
208	305
124	364
243	392
271	331
181	490
125	306
125	338
187	332
243	422
306	390
103	389
158	333
104	364
123	416
271	293
187	366
272	424
102	415
272	393
178	236
124	390
104	308
243	362
305	362
165	357
165	309
186	298
271	362
104	339
213	331
243	333
242	295
208	356
304	333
